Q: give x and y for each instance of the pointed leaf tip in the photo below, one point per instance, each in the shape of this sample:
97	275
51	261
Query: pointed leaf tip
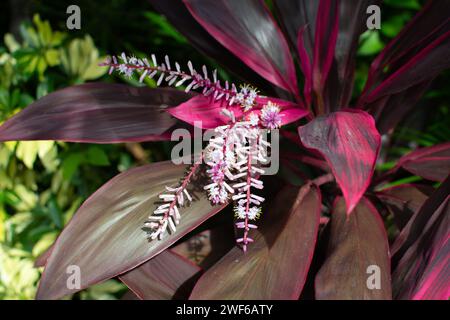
350	142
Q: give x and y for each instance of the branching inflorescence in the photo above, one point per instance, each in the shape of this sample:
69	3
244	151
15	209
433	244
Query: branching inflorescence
234	155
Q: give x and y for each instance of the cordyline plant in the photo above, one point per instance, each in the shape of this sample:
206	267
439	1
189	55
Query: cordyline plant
325	239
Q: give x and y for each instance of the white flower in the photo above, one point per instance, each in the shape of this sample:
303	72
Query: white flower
253	118
246	97
240	212
254	213
216	155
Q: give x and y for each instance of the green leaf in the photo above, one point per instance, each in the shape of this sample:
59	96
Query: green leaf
96	156
371	43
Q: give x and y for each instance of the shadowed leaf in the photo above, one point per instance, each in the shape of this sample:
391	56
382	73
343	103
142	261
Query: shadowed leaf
432	163
427	26
356	242
166	276
350	143
403	201
423	251
106	237
426	64
276	264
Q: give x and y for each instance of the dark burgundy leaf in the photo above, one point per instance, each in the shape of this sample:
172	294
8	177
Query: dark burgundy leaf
426	64
326	32
404	200
357	244
96	112
276	264
415	226
388	111
423	251
166	276
177	14
247	29
106	236
352	23
350	143
207	247
432	163
299	15
429	24
42	259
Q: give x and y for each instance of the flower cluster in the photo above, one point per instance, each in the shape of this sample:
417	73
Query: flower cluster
233	156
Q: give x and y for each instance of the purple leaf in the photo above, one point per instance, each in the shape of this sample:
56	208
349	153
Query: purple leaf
42	259
177	14
207	247
166	276
276	264
326	33
208	113
426	64
106	236
432	163
248	30
299	20
96	112
357	243
403	201
297	15
423	251
428	25
413	229
388	111
350	143
352	23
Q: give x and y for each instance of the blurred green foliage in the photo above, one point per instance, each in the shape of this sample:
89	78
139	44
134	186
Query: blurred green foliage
42	183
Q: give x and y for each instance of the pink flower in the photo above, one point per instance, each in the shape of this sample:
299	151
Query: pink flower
270	116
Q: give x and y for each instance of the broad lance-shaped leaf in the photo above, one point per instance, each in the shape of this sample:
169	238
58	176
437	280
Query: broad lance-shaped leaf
404	200
357	262
98	113
106	236
166	276
350	143
248	30
432	163
423	251
203	112
276	264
